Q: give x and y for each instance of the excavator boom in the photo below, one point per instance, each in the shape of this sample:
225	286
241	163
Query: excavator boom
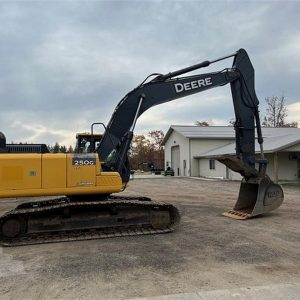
165	88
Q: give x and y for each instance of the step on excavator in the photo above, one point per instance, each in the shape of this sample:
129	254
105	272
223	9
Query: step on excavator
88	179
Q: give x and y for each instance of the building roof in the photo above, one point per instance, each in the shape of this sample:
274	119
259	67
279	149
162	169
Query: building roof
275	139
271	144
201	132
224	132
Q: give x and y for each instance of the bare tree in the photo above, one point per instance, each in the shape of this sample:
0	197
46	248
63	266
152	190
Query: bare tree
293	124
156	138
276	112
202	123
231	122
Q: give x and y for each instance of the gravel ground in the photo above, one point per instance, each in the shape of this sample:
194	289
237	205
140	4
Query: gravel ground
207	252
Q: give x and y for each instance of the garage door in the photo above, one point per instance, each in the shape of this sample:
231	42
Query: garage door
175	160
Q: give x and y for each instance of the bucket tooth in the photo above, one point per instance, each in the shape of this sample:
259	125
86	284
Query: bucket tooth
257	196
236	214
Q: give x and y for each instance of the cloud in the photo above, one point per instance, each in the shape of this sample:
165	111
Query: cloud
66	64
294	112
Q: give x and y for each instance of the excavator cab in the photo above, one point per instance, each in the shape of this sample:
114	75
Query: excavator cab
87	142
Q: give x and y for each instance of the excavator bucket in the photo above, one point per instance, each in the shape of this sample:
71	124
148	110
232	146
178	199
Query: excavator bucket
256	196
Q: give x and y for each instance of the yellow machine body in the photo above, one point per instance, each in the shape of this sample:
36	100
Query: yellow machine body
30	174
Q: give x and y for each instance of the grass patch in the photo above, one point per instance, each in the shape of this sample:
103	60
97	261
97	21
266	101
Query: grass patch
290	183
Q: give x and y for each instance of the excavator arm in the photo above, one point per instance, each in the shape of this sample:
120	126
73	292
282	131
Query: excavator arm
258	194
115	144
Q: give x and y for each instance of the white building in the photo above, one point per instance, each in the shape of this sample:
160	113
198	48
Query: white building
188	148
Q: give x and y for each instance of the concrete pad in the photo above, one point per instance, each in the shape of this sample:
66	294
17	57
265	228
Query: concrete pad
208	257
268	292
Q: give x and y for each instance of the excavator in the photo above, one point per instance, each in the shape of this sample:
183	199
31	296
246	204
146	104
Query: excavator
83	184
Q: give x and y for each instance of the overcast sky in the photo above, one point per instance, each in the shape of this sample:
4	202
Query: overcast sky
66	64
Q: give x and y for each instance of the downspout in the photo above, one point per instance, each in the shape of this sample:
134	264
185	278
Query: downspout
190	162
276	167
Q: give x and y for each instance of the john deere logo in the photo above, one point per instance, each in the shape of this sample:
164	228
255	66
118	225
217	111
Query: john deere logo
192	85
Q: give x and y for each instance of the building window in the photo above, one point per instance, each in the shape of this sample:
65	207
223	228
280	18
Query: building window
212	164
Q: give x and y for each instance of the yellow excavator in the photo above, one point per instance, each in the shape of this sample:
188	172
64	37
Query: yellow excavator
83	182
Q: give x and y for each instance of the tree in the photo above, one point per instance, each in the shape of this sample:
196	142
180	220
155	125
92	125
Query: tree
293	124
231	122
56	147
158	157
70	149
139	151
62	149
202	123
156	138
147	151
276	113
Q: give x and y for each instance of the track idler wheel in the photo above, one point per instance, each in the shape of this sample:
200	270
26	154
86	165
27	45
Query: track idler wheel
13	227
162	219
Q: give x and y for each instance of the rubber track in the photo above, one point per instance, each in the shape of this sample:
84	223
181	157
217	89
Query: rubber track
38	207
